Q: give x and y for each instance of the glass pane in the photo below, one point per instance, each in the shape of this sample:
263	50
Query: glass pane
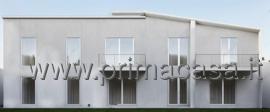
112	46
173	51
228	50
28	47
216	91
114	92
73	47
224	50
112	51
233	50
224	45
183	91
173	91
126	50
183	50
73	91
229	91
28	91
233	45
129	91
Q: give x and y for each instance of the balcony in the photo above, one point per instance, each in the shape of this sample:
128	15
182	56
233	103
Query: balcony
119	59
241	60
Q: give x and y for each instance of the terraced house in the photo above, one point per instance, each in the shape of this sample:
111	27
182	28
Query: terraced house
137	38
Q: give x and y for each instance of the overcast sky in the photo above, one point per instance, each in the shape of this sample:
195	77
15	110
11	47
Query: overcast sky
251	13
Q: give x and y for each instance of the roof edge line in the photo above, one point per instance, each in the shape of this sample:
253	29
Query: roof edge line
73	17
186	19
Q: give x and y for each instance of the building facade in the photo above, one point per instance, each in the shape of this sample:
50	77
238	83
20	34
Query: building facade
140	39
1	88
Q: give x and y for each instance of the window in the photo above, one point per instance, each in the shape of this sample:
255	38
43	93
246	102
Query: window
115	87
28	91
222	91
122	91
216	91
73	50
229	91
73	56
178	51
73	91
178	55
119	51
177	91
228	50
28	51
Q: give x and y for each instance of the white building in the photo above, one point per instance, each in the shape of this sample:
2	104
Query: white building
1	88
136	38
266	85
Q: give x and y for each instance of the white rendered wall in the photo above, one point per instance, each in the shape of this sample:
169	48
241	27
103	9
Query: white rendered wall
1	87
150	36
208	42
266	84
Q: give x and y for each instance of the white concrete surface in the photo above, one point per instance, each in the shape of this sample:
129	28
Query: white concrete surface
150	35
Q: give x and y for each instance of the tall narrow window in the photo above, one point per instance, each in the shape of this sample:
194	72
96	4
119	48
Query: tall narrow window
73	91
126	50
229	91
73	50
173	91
112	51
115	92
183	91
28	51
73	56
228	47
122	91
28	91
216	91
119	51
178	51
222	91
178	55
177	91
174	51
129	91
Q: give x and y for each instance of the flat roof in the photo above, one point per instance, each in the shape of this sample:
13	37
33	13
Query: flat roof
74	17
184	19
142	15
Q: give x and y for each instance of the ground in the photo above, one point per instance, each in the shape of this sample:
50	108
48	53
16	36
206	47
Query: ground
134	110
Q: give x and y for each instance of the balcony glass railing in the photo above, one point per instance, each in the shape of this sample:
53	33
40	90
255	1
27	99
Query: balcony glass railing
118	59
241	60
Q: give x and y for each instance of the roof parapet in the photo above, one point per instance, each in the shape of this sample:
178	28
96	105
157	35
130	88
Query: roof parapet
141	15
184	19
74	17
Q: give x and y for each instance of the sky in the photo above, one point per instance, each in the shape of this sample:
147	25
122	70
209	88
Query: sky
251	13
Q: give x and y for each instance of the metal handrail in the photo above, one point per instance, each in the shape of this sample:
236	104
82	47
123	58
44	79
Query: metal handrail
225	54
135	54
214	58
